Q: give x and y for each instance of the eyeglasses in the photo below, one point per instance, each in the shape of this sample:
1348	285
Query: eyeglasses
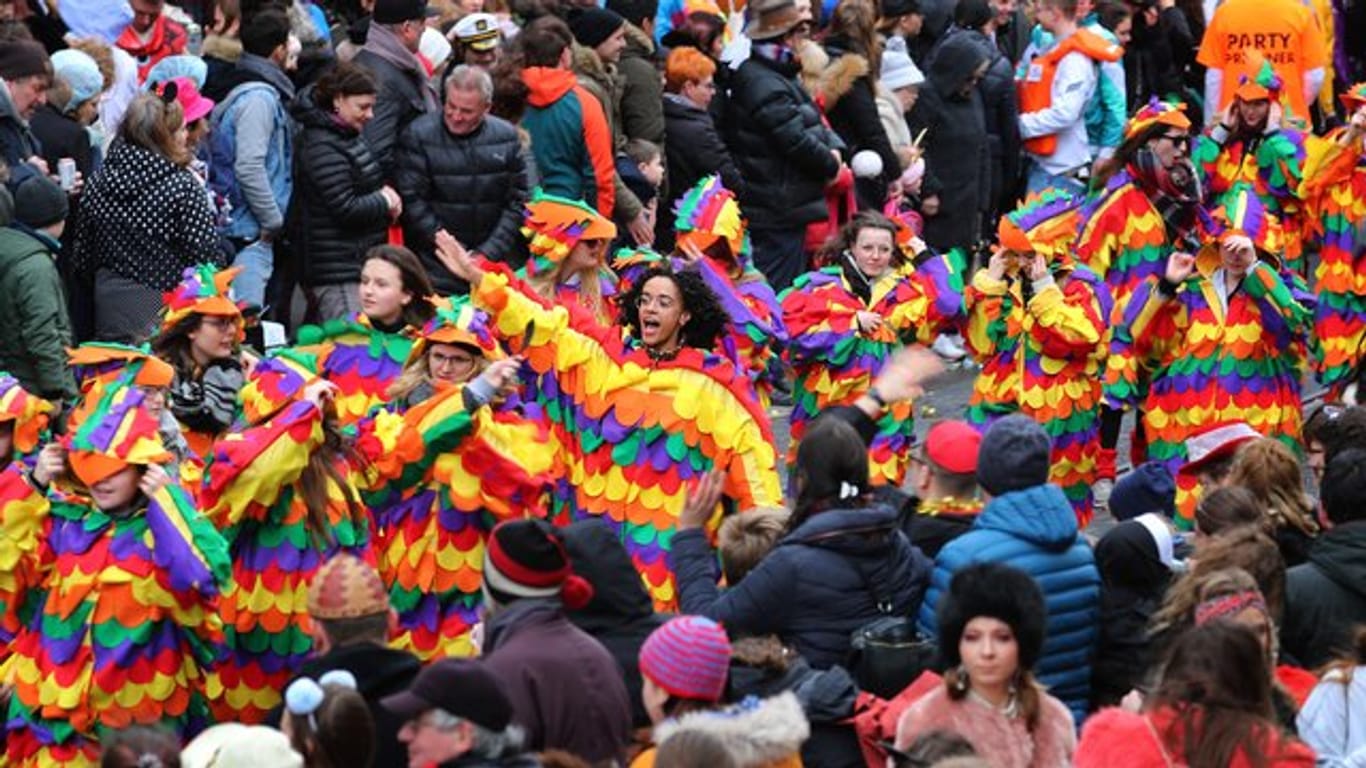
220	322
1178	139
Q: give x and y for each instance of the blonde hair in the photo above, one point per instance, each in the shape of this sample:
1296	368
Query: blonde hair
1245	548
1270	470
417	372
589	289
744	539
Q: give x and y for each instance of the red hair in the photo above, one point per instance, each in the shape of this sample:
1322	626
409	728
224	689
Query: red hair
686	64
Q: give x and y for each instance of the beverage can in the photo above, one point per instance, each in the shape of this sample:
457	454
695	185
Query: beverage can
66	173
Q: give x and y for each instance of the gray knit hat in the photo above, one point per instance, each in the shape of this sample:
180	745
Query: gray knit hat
1014	456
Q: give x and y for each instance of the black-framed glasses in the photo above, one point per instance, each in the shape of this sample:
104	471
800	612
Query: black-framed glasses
1178	139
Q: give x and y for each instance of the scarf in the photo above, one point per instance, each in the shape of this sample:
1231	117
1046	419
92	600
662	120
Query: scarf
382	42
1175	193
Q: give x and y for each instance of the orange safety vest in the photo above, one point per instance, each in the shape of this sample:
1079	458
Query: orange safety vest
1036	89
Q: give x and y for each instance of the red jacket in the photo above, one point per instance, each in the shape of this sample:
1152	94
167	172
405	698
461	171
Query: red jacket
1116	738
168	39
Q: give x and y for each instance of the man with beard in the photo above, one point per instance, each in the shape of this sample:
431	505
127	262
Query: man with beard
1144	206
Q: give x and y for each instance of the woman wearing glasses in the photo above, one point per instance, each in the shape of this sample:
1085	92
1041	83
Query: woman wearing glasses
636	417
1226	335
1144	206
201	335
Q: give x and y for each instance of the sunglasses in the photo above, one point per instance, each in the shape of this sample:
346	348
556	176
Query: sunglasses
1178	139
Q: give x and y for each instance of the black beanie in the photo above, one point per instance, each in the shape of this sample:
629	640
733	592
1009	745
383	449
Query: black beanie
24	58
999	592
39	203
1014	456
399	11
591	26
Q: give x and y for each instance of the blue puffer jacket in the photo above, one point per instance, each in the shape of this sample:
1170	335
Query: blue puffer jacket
811	589
1035	530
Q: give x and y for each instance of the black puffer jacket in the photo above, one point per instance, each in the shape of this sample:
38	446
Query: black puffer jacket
695	150
474	186
957	157
775	134
338	212
817	585
847	87
1326	597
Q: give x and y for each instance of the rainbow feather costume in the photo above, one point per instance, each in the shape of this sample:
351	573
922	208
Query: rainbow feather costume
119	610
360	359
203	290
754	325
1124	239
30	415
453	476
553	226
1272	165
635	432
835	362
1214	366
254	495
1335	195
1043	356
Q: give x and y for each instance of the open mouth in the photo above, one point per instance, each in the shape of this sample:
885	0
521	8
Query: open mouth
649	325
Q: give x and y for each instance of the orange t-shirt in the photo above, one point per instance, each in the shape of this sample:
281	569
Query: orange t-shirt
1285	31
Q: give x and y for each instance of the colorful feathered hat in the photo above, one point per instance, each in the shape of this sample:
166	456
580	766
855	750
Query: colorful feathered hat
118	432
637	256
203	290
1045	223
457	321
101	366
1241	212
1354	98
1259	79
554	225
1157	112
28	412
276	382
709	212
105	361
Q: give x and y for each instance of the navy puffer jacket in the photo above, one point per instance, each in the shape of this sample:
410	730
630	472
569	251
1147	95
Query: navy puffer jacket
812	589
1035	530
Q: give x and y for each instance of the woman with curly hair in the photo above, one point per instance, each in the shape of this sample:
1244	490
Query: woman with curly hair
636	417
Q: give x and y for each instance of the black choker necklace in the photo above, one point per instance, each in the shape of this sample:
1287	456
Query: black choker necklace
661	354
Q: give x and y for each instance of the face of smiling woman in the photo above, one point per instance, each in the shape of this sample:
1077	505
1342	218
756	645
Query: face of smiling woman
662	315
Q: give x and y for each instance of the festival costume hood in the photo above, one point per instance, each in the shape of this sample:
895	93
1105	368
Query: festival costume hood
116	433
203	290
1241	213
457	321
1260	80
1046	224
28	412
709	212
554	225
276	382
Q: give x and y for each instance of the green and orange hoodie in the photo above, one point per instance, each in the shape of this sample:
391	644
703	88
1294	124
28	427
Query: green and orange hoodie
570	138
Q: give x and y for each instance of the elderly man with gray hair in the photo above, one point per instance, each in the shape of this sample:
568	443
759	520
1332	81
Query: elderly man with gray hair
457	713
463	171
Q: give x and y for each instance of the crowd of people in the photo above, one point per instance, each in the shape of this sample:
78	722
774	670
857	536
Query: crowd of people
395	382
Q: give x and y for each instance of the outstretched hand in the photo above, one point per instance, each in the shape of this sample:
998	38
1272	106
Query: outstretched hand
702	501
456	258
905	375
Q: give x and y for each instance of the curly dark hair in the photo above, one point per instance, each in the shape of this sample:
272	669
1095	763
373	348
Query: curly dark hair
707	319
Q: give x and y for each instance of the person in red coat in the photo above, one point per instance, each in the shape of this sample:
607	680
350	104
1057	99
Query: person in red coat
1213	707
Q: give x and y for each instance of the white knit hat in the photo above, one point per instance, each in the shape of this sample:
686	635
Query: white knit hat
233	745
898	71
